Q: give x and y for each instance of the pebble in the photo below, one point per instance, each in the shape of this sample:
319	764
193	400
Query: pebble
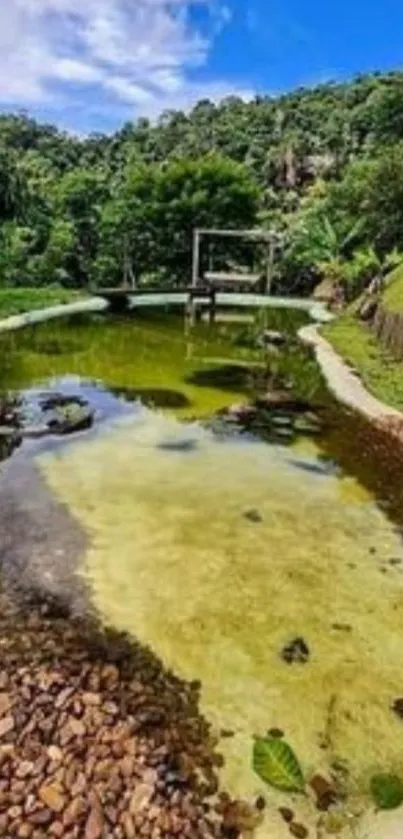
94	827
276	733
101	748
5	704
286	814
298	830
253	516
6	725
397	707
260	803
51	796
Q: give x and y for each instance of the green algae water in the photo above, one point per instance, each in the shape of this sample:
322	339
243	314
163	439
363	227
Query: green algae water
175	559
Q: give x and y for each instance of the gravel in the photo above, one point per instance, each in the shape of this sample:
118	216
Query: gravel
98	740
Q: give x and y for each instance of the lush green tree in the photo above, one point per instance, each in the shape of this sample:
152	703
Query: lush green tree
78	199
372	192
148	226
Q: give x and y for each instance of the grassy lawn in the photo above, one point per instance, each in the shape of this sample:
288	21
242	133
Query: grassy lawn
14	301
380	374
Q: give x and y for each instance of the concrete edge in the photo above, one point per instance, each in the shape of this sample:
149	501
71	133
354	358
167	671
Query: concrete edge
92	304
346	385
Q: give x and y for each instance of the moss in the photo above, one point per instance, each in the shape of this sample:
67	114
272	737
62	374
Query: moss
14	301
380	373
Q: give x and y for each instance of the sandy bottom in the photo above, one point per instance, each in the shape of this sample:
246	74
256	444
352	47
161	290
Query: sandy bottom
174	560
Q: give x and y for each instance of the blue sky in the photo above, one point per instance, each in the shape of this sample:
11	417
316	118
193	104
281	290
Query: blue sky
90	65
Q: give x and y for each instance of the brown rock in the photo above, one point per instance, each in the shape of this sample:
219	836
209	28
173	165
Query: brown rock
111	708
15	812
4	680
92	699
6	725
24	769
63	697
141	798
79	785
25	831
130	746
110	674
41	817
39	766
55	754
286	814
128	826
94	827
94	682
239	815
127	766
298	830
325	794
5	704
398	707
56	829
51	796
6	751
30	804
73	728
74	811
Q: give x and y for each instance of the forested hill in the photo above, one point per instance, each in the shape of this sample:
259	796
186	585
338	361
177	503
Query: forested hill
323	165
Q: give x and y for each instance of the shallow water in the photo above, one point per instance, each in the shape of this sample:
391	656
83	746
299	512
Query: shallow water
174	560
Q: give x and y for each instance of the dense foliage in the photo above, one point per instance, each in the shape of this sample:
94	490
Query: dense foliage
323	166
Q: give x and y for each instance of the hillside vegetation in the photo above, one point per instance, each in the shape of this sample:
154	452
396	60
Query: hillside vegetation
322	166
380	371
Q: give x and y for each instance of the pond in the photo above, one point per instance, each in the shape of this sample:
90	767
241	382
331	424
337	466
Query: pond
224	551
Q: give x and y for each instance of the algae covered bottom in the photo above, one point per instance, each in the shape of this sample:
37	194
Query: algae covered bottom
220	554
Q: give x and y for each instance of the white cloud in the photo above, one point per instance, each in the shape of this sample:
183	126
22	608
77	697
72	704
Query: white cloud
135	54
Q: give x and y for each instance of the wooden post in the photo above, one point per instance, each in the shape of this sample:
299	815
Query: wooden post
212	306
270	265
196	258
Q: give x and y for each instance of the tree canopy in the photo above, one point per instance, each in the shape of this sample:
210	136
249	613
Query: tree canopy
324	166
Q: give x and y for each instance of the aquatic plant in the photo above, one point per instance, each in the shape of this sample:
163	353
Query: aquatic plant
386	791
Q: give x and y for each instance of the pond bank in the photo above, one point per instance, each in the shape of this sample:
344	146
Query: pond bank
346	385
92	304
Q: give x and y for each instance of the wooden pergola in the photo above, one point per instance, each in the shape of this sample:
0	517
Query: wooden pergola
233	279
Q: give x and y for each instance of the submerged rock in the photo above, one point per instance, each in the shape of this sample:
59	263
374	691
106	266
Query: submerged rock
52	401
298	830
272	337
297	651
282	399
10	439
253	515
178	445
70	418
325	793
397	707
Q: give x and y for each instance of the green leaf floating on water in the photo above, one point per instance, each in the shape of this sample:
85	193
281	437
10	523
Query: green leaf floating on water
275	762
387	791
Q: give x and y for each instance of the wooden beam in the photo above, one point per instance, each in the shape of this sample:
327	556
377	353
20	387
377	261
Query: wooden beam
196	257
